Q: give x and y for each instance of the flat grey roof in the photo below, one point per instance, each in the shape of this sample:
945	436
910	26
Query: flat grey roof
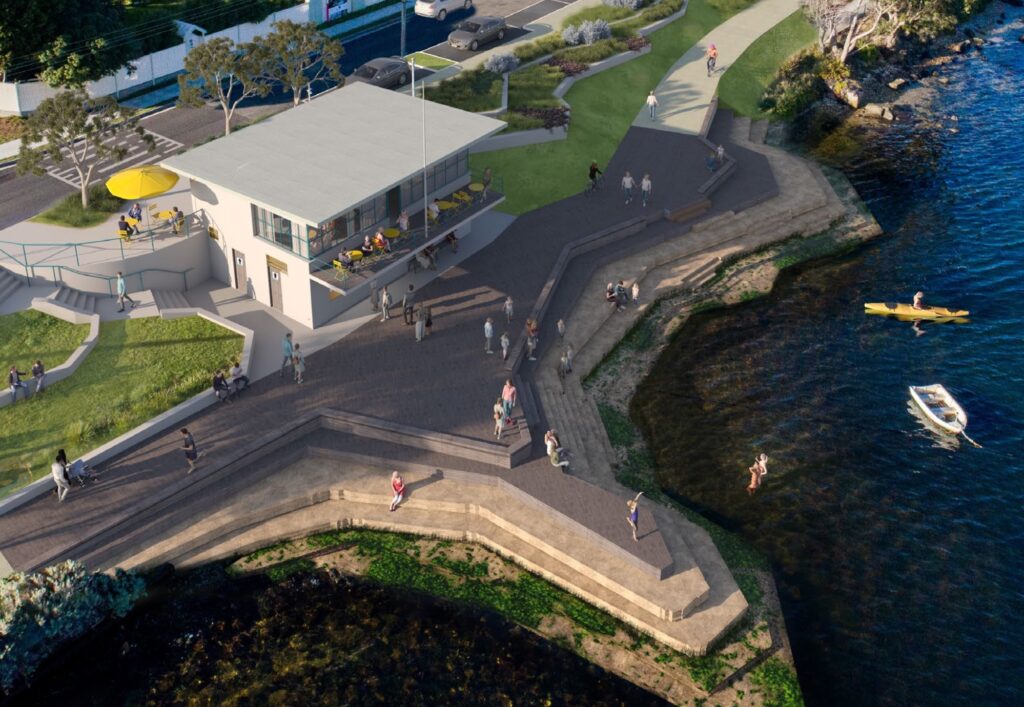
323	158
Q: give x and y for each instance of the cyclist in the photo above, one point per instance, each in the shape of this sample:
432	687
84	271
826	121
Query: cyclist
594	173
712	58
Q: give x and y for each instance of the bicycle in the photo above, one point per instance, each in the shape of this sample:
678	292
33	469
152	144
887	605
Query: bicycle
595	184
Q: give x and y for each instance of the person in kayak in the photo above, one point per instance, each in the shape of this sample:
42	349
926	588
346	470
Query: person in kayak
757	473
919	300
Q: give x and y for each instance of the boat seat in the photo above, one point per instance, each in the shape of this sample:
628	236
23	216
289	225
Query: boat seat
945	412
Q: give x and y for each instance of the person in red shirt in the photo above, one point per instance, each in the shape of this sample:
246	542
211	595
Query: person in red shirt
398	486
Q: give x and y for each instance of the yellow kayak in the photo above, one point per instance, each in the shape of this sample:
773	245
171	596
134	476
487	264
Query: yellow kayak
907	310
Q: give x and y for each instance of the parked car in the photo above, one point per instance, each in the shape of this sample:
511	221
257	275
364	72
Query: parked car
384	72
440	8
479	30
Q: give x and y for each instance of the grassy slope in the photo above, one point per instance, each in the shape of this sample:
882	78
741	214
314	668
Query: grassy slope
603	108
30	335
138	369
743	84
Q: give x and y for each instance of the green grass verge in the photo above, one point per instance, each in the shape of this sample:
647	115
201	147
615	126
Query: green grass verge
533	87
603	108
30	335
744	83
138	369
429	60
69	212
779	684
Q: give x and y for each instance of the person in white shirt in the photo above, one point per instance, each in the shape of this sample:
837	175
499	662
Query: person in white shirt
238	379
636	292
488	335
627	187
57	471
435	210
645	188
652	103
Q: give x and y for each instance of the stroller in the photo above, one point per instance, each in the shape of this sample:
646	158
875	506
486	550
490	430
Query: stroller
79	471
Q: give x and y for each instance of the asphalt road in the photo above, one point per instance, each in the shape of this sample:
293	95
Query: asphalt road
24	196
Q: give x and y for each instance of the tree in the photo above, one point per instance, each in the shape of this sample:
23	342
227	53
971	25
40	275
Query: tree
221	71
73	126
295	55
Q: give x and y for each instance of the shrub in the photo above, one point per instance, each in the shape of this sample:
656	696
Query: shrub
796	87
518	121
637	43
501	63
549	117
661	10
628	4
39	611
548	44
594	52
567	66
474	90
586	32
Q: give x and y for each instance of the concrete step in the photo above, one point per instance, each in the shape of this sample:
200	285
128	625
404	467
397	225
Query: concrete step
758	132
689	213
741	128
9	282
74	299
170	299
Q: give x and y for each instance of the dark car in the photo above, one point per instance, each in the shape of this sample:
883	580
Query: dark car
384	72
479	30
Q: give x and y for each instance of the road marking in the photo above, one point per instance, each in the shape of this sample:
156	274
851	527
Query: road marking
136	155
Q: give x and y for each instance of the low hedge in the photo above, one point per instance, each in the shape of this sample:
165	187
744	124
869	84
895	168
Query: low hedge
548	44
518	121
660	11
595	52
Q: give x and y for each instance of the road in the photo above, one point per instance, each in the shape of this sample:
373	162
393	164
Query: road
22	197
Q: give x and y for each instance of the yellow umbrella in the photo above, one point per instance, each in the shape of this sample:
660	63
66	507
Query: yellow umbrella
141	182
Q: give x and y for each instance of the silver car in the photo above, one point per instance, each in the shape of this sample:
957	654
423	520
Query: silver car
384	72
479	30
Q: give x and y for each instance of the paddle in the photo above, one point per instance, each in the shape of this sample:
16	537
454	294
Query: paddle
969	439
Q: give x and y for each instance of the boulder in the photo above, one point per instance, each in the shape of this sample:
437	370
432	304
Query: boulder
874	110
944	80
959	47
978	42
897	84
887	114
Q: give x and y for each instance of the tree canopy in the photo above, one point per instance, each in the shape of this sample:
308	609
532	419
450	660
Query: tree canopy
220	70
297	55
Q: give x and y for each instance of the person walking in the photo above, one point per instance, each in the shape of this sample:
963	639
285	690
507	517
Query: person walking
508	398
385	303
192	454
39	373
561	328
299	362
398	488
508	308
504	341
645	189
563	366
569	353
14	382
122	292
634	515
636	292
499	418
429	317
58	472
532	329
652	104
488	335
712	55
627	187
408	305
421	324
287	351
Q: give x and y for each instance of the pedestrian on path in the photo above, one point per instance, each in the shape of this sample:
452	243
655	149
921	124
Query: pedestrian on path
636	292
122	292
398	487
563	366
504	341
532	337
508	308
569	353
531	347
59	474
634	515
627	187
299	362
712	59
508	399
39	373
192	454
561	328
14	381
421	324
385	304
488	335
408	304
652	104
287	351
645	189
429	317
499	418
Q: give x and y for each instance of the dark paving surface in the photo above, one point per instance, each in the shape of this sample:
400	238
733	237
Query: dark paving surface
444	383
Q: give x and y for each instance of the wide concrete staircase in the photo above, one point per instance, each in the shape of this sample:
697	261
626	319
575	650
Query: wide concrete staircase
76	300
169	299
9	282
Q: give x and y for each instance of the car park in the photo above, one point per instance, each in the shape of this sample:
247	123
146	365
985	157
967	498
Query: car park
478	31
439	9
384	72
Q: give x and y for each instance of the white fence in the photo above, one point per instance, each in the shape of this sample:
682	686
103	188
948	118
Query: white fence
23	98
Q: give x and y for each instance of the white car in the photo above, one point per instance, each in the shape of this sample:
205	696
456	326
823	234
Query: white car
440	8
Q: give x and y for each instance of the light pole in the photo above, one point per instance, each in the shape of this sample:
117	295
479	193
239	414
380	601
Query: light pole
426	212
402	49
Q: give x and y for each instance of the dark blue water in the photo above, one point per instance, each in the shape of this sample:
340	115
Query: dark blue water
897	551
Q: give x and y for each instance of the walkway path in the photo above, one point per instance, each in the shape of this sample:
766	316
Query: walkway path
685	93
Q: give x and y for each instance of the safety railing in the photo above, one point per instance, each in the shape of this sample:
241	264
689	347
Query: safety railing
57	274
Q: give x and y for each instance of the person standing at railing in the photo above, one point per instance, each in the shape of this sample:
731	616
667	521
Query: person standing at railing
122	292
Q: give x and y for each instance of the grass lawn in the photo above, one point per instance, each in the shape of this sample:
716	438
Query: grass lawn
69	212
743	84
603	108
30	335
138	369
429	60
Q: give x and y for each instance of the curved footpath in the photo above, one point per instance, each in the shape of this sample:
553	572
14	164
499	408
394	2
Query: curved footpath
287	460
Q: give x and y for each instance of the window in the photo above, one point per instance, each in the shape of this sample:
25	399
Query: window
271	227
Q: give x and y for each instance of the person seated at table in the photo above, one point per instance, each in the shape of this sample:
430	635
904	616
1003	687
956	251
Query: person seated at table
345	259
435	210
135	212
403	221
220	387
366	247
380	242
239	381
453	241
177	220
123	227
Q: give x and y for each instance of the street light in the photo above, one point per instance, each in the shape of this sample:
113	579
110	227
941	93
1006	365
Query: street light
402	50
426	212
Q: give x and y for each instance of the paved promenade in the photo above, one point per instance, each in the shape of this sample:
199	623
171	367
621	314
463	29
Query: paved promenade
686	91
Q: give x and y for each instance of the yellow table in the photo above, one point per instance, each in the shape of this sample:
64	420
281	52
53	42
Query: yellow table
165	215
133	222
476	187
355	254
446	205
391	233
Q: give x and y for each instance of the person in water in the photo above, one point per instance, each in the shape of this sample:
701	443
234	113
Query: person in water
757	473
919	300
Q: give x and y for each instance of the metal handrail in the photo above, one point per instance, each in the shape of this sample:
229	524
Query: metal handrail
57	272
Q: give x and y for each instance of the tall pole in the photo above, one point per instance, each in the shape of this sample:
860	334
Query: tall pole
426	219
402	50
